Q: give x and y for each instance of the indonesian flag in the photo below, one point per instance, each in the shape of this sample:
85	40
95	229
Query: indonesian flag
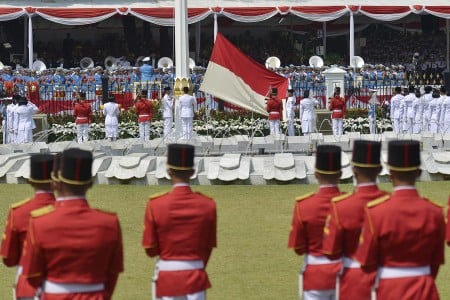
236	78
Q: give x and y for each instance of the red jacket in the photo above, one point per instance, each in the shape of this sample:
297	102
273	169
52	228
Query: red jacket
180	225
16	232
73	243
403	230
144	110
337	106
275	108
82	112
306	235
341	238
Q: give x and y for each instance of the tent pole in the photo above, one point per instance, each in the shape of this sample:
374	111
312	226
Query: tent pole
30	42
448	43
197	41
25	38
352	37
216	26
324	29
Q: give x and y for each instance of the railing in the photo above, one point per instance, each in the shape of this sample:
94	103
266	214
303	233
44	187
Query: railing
60	99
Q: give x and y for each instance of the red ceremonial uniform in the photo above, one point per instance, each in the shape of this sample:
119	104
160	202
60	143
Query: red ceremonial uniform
72	243
16	232
82	112
403	234
337	106
341	237
308	222
144	110
180	225
275	108
448	224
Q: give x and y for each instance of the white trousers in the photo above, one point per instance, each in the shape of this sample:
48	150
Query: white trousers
319	295
24	136
196	296
111	131
408	125
434	126
274	126
372	126
291	129
167	127
186	125
144	131
337	126
396	126
82	133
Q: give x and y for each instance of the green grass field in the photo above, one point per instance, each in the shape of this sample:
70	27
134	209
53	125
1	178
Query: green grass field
252	260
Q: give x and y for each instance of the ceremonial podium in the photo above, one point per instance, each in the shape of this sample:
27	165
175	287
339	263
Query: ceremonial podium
323	121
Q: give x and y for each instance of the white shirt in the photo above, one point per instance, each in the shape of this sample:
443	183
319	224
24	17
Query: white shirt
111	111
307	109
23	116
395	106
167	106
290	107
186	105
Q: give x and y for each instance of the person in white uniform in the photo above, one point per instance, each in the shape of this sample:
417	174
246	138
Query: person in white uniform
443	93
186	105
407	112
307	113
445	114
111	111
426	112
435	110
396	101
11	132
290	112
23	121
372	111
418	112
167	111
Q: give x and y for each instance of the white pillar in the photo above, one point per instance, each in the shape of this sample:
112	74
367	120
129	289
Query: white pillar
30	42
352	37
181	40
25	38
216	26
197	40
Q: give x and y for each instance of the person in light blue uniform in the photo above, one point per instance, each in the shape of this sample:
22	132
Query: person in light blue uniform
372	111
146	74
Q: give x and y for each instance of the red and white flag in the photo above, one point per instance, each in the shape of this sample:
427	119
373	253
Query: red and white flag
238	79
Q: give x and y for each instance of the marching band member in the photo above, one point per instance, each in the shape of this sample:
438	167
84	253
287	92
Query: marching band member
144	110
342	230
318	274
403	234
180	228
16	228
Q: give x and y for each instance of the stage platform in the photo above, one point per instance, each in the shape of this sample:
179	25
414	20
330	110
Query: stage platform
235	160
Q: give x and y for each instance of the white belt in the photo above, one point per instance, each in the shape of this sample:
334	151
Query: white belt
350	263
82	118
67	288
337	110
179	265
319	260
400	272
274	112
144	115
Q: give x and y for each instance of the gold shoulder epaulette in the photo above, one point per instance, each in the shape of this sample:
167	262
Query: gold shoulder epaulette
341	197
303	197
20	203
157	195
42	211
435	203
378	201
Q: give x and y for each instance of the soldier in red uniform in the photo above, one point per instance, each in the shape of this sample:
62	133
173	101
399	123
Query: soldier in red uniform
341	233
73	251
448	224
19	216
83	114
275	109
180	227
337	106
318	274
144	110
403	234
